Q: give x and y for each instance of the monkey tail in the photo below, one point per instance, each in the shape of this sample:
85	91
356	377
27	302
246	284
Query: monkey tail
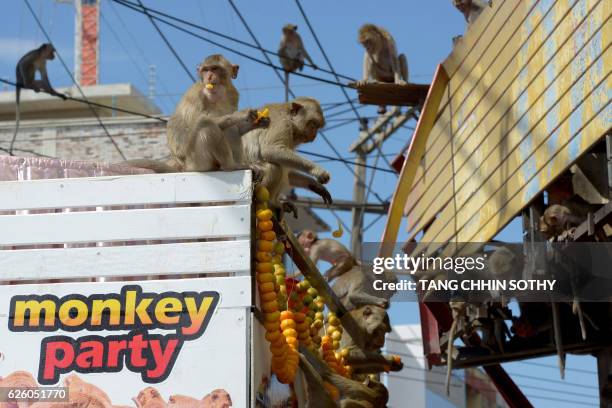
403	62
155	165
17	117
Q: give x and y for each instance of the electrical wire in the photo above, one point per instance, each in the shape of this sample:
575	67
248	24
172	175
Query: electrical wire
242	54
344	161
227	37
161	34
74	80
96	104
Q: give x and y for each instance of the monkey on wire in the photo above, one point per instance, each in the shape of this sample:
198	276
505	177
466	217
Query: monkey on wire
292	53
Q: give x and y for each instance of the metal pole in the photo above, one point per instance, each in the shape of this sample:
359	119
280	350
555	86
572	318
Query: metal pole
359	198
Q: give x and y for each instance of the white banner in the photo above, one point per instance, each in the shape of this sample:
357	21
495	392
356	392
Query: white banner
188	339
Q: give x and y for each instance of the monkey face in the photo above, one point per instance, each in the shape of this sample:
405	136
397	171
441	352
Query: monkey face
217	399
306	238
216	70
377	325
289	29
49	52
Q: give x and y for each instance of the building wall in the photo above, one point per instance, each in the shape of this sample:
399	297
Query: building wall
85	139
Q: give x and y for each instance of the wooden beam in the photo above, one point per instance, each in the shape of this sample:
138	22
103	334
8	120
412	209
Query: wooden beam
381	93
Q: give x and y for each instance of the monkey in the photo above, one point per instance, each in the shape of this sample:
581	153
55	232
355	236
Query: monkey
149	398
559	218
471	9
372	323
291	53
76	384
380	60
218	398
328	250
353	393
354	288
271	151
199	129
25	75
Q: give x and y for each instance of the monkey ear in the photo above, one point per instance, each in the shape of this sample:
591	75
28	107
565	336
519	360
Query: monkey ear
235	71
295	108
367	311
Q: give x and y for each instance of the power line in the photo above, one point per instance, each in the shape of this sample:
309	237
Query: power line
225	36
96	104
161	34
73	80
340	159
578	370
242	54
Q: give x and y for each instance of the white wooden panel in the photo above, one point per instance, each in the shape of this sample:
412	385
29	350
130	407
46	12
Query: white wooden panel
133	260
126	190
120	225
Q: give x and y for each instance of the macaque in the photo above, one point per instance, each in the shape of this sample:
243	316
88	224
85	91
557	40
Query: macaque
149	398
199	129
25	75
218	398
471	9
380	60
17	379
558	218
328	250
76	384
364	351
291	53
272	151
353	393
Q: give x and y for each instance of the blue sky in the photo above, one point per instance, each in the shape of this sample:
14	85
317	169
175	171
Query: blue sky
423	31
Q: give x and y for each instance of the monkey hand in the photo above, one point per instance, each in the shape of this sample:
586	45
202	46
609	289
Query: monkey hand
290	208
361	83
320	174
395	362
401	82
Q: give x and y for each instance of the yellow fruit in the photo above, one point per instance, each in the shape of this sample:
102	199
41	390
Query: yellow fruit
264	215
262	193
344	352
336	335
317	324
265	277
276	351
292	341
209	86
333	320
336	345
268	236
261	206
265	225
266	287
264	267
319	316
280	280
272	317
279	269
268	296
270	307
276	259
338	232
290	333
287	324
263	256
265	246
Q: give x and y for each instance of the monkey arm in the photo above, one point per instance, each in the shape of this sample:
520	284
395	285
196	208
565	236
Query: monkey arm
367	67
362	360
361	299
232	119
481	3
303	181
286	157
339	268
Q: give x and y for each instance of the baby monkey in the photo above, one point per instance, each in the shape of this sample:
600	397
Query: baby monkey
25	75
328	250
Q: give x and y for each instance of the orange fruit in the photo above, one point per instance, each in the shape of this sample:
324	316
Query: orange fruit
271	317
287	314
263	256
265	246
271	326
302	327
277	351
270	307
265	225
268	235
303	336
266	287
268	296
271	336
292	341
299	317
264	267
265	277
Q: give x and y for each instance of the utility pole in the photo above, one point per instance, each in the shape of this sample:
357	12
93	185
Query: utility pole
359	190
